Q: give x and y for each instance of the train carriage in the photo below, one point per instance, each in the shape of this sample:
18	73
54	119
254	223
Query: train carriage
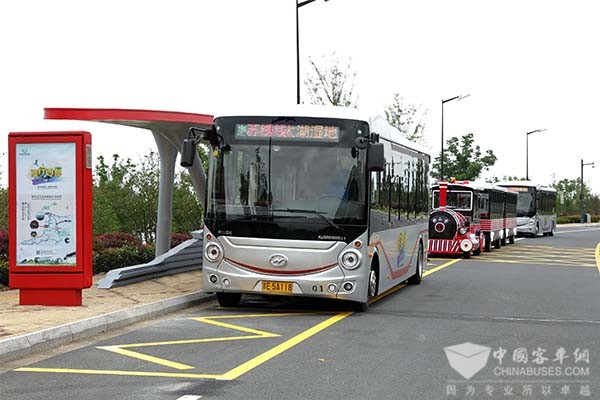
491	212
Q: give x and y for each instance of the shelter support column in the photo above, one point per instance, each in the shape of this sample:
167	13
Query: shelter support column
168	155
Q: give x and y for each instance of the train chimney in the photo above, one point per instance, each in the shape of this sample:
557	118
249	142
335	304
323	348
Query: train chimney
443	190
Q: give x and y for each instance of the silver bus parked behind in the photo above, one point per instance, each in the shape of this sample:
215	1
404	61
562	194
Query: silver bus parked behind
536	207
312	201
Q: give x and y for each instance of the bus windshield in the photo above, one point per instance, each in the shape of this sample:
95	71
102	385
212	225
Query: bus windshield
525	201
288	178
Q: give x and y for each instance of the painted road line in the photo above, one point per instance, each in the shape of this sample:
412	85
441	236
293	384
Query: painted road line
449	263
146	357
118	373
425	273
598	256
277	350
237	371
540	262
577	231
189	397
254	334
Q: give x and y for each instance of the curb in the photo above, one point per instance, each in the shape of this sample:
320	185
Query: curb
49	338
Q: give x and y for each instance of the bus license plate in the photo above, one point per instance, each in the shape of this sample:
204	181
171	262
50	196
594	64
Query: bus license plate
277	287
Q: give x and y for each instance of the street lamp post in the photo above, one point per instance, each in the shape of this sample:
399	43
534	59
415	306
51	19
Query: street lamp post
527	151
581	191
298	5
442	152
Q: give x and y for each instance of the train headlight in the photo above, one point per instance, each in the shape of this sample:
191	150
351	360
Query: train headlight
463	230
213	252
350	259
439	227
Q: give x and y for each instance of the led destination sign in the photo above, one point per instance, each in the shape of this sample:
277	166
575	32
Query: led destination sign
294	132
519	188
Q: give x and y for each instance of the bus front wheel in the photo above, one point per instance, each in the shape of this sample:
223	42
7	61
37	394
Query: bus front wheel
372	285
228	299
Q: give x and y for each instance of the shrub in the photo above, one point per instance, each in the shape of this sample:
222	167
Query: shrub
119	257
178	238
112	240
3	243
3	272
573	219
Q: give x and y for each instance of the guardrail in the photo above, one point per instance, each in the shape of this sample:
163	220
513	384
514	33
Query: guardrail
183	258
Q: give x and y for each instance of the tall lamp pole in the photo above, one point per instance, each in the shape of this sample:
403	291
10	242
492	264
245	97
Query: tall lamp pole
442	152
583	219
527	151
298	5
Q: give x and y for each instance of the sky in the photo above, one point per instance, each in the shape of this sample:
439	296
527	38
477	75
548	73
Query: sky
526	64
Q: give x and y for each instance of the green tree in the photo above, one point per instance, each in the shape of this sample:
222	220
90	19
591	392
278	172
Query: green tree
569	202
463	160
329	83
407	118
507	178
126	198
113	196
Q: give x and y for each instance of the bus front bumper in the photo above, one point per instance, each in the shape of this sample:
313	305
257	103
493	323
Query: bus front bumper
335	283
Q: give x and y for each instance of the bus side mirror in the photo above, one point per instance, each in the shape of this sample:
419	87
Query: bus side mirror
375	157
188	153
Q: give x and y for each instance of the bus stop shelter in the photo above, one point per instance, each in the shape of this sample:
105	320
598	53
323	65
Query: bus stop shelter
169	130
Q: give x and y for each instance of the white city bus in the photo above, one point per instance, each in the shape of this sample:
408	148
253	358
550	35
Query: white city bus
536	207
312	201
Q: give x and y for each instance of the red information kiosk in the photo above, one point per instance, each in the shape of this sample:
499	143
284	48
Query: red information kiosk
50	216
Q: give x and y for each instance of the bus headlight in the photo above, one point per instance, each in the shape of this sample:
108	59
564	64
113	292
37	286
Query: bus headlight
213	252
350	259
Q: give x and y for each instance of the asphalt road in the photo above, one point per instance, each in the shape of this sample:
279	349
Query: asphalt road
526	317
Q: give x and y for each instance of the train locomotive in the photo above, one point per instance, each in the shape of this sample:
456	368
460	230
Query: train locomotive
469	217
454	223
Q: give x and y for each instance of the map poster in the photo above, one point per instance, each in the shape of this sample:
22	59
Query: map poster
45	195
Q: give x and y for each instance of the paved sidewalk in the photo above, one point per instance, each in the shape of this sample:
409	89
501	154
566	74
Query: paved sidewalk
26	329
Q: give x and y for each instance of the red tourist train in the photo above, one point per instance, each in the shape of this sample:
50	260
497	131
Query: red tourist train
469	217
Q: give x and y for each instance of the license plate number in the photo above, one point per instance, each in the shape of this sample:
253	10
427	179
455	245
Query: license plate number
277	287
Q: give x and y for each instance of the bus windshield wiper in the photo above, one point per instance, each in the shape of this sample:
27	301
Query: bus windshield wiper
246	217
319	214
254	216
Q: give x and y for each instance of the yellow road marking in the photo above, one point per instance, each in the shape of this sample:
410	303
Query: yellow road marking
449	263
386	293
425	273
598	257
145	357
230	375
235	372
550	263
255	334
117	372
551	247
275	351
